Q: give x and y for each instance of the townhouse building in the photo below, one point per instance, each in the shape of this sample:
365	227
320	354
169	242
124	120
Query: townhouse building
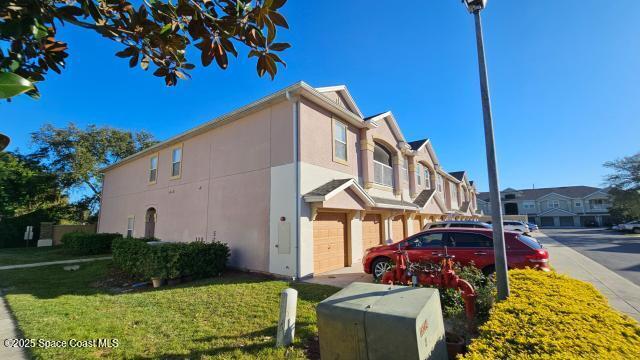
297	183
568	206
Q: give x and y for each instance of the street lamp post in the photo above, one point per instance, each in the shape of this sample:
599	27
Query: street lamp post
502	280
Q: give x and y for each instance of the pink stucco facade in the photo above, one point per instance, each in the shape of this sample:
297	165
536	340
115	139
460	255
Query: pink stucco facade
257	178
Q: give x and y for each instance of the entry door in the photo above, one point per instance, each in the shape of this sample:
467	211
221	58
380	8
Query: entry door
150	223
329	237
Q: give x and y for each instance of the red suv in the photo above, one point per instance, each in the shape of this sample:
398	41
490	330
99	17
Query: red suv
466	244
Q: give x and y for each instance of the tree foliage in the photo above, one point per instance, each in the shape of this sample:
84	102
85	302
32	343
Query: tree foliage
155	33
77	155
26	186
624	183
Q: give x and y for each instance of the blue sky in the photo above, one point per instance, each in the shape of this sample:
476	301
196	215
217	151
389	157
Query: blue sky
564	79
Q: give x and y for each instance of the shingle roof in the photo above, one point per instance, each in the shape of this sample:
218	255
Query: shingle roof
532	194
416	144
327	188
372	116
423	197
457	174
393	202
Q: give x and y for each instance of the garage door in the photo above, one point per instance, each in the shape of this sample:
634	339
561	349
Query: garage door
566	221
397	228
329	235
371	231
546	221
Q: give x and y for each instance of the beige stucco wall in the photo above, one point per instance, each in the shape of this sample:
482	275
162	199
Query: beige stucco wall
224	192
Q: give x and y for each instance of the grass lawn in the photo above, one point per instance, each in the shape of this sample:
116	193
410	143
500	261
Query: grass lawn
16	256
231	317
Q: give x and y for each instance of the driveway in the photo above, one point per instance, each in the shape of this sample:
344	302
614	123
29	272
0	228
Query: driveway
616	251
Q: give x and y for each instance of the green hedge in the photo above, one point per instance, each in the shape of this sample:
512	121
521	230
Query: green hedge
552	316
170	260
82	243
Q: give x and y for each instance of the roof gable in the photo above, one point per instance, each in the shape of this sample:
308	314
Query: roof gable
344	94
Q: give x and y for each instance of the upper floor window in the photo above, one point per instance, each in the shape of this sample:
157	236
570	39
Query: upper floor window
153	169
597	203
510	196
382	166
439	183
554	203
454	193
176	162
427	178
405	170
578	204
419	174
339	141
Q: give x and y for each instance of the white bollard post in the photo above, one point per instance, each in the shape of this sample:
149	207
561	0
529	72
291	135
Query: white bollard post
287	320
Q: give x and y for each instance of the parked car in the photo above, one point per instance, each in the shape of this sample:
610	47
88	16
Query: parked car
517	226
633	226
457	224
468	246
533	227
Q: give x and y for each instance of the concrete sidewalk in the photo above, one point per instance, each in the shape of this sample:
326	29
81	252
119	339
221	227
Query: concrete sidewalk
8	330
622	293
60	262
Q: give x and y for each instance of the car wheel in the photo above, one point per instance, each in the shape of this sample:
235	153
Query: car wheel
380	266
636	230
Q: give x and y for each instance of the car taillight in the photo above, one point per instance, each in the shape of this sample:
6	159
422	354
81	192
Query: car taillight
539	256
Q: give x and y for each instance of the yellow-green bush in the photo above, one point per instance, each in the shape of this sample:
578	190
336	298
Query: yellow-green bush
551	316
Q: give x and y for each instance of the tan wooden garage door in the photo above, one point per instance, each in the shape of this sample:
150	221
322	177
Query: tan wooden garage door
397	228
329	235
371	231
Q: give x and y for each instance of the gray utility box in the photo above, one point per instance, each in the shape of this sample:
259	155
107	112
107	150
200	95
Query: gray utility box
374	321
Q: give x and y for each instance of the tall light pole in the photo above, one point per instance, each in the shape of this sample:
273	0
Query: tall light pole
502	279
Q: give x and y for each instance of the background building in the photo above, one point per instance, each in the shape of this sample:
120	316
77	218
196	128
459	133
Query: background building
555	207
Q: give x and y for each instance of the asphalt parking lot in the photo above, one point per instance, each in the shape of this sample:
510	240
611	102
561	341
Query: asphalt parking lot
619	252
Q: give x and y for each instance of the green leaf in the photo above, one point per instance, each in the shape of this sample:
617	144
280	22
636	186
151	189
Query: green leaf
165	28
39	31
12	84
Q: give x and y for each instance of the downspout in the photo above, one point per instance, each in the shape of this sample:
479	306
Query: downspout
296	161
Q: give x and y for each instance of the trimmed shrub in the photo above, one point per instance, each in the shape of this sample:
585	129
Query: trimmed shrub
170	260
552	316
82	243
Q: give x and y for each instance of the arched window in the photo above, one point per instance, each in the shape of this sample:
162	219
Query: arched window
382	166
427	178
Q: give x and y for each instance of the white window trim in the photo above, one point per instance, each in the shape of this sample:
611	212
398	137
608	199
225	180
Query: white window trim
439	183
427	178
385	166
133	225
419	174
157	157
171	176
335	123
405	169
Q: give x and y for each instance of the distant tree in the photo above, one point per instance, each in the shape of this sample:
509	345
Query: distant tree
76	156
624	185
26	186
157	32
